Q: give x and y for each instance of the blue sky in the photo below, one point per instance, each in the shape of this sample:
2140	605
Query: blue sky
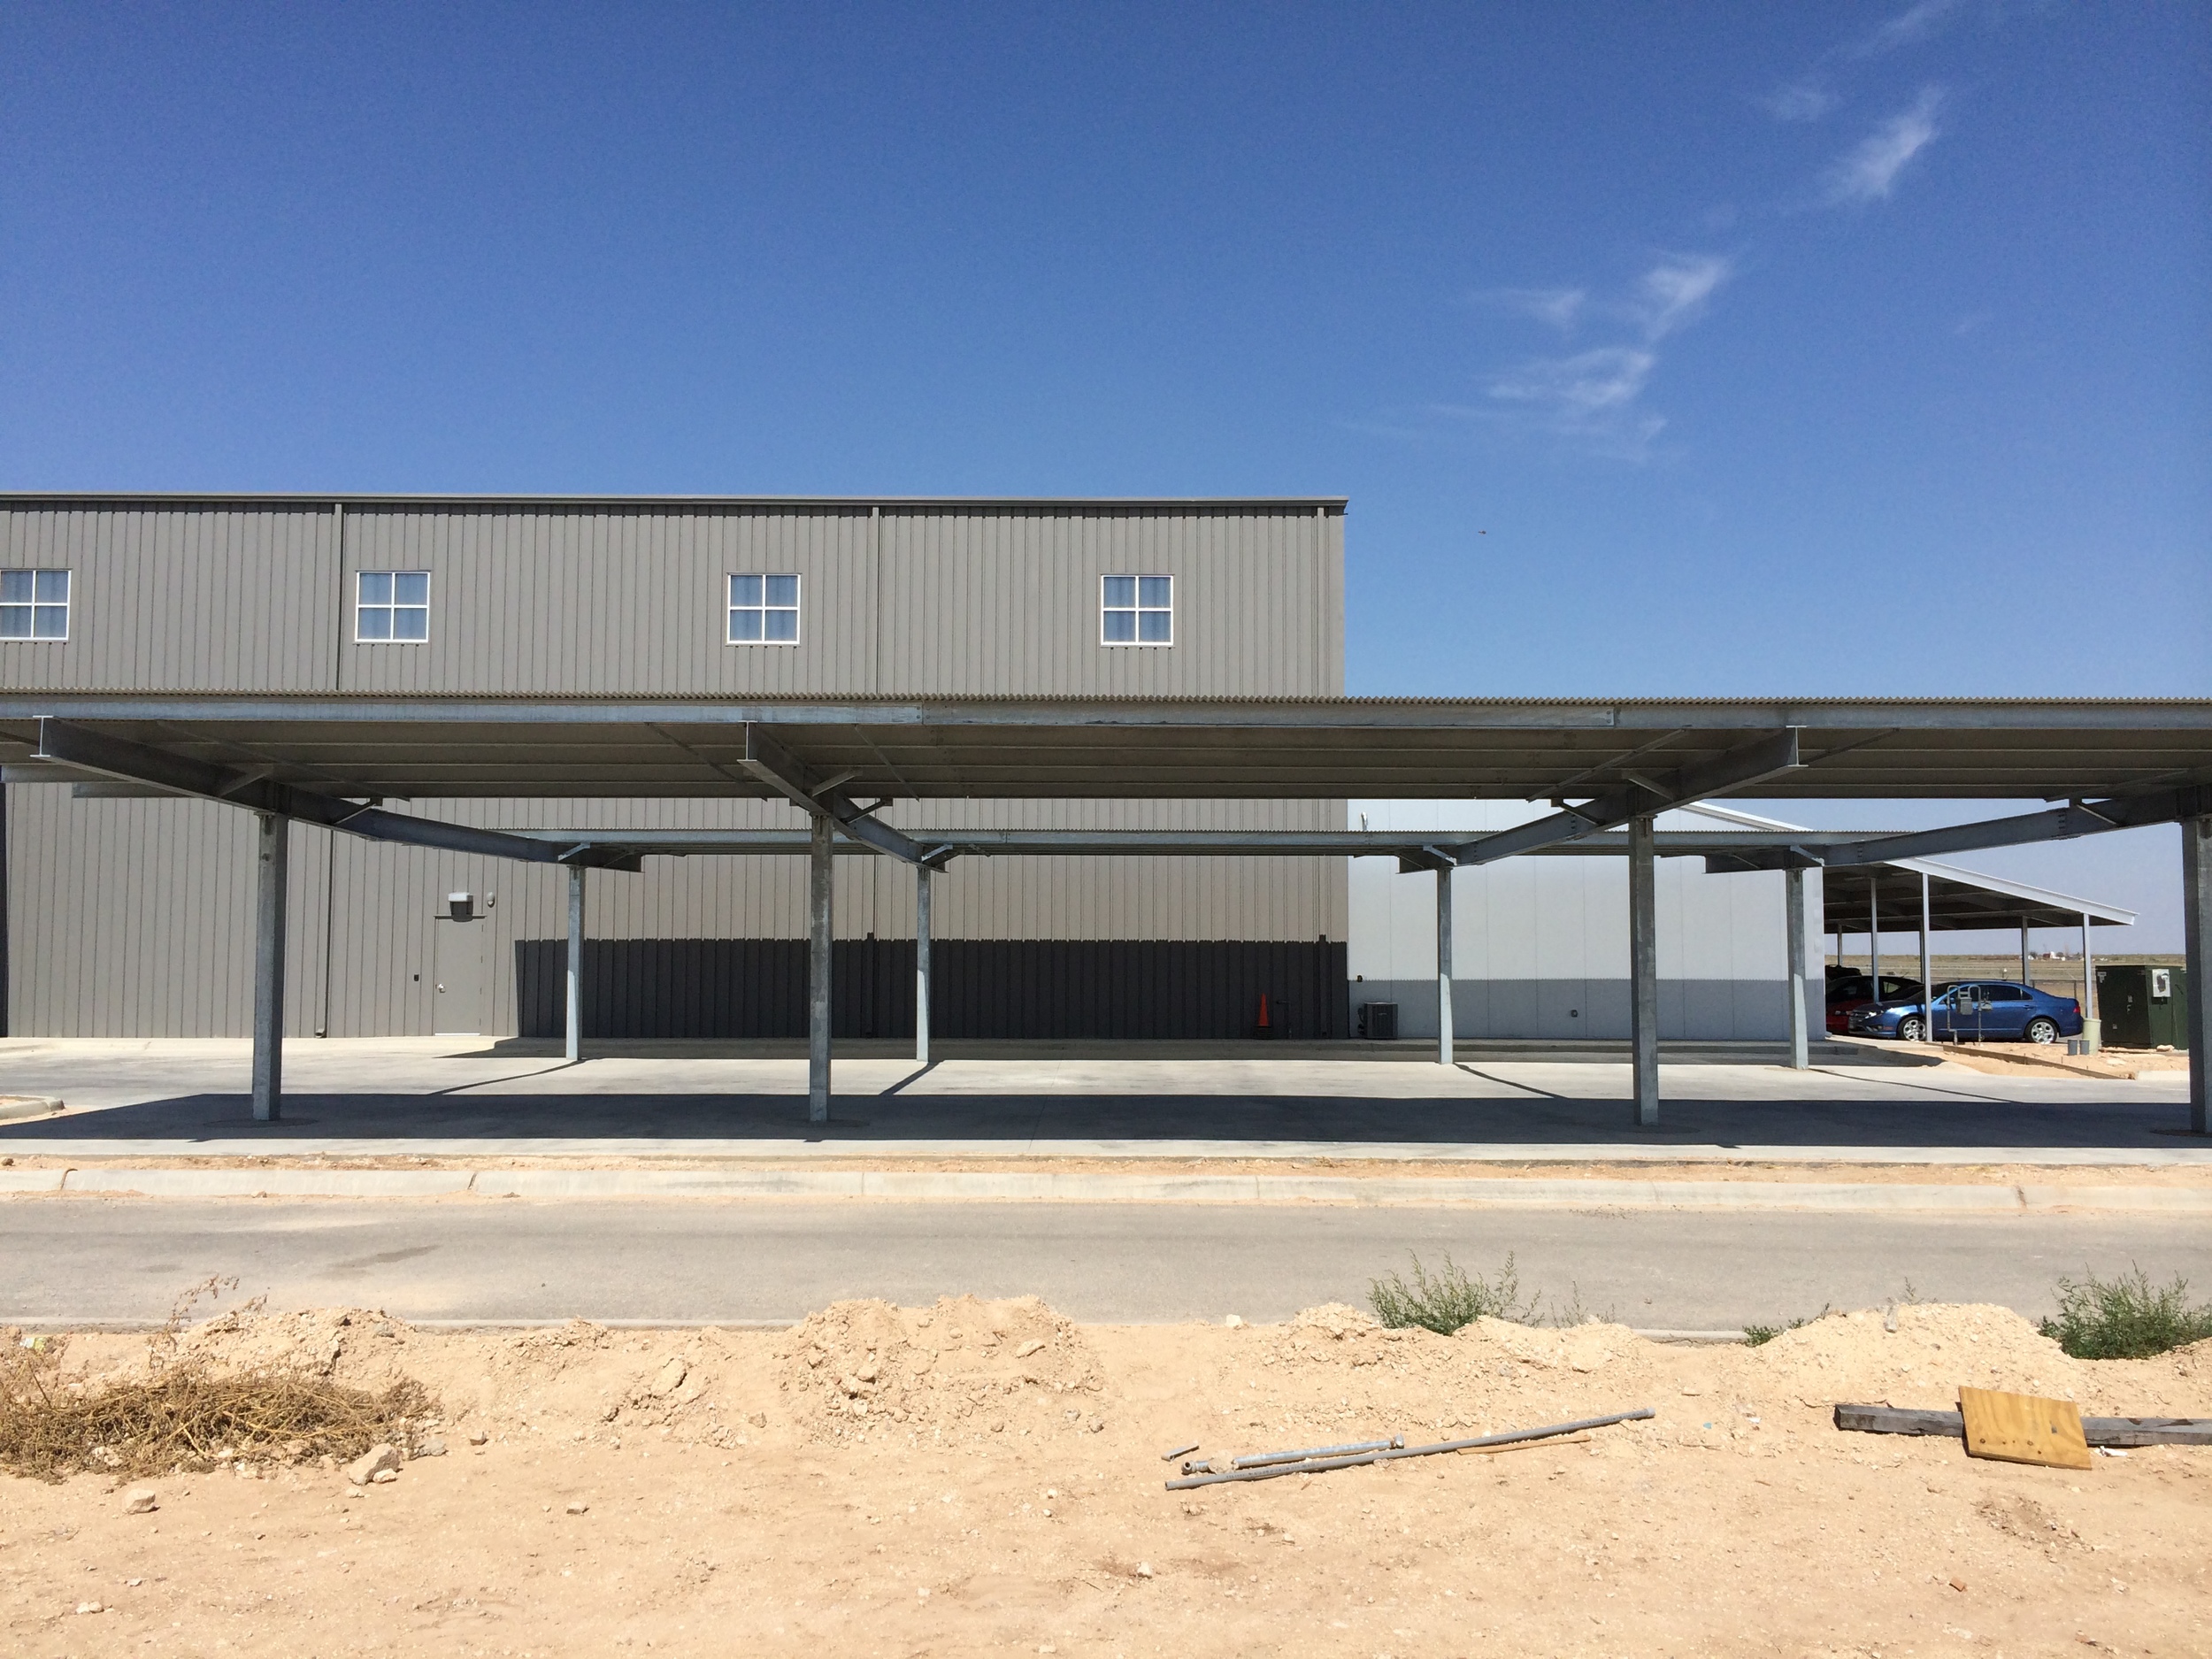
1726	349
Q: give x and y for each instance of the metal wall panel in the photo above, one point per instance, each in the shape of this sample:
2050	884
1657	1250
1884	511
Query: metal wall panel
1004	600
991	989
136	917
596	602
1539	945
385	897
216	599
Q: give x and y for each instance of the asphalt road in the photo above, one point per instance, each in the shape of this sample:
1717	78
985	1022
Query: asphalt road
127	1259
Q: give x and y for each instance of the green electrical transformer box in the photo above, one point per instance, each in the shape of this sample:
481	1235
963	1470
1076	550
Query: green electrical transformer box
2143	1006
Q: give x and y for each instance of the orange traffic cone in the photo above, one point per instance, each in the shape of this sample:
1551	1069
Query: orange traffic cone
1264	1030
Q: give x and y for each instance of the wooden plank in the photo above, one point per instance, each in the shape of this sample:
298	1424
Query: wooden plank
2148	1430
2023	1429
2096	1431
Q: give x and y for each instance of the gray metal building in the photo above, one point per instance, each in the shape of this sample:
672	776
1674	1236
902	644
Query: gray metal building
132	917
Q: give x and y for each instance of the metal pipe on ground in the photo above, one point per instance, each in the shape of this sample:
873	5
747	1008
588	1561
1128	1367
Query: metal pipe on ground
1514	1437
1264	1458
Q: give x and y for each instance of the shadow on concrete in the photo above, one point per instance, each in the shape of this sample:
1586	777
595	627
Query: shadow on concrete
1925	1115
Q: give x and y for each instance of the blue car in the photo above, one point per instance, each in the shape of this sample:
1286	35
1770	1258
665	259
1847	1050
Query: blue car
1995	1010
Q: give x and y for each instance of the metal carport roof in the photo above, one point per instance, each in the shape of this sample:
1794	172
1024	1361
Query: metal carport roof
1211	747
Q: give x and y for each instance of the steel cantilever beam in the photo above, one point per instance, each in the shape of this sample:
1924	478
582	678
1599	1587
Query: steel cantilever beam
67	744
1653	792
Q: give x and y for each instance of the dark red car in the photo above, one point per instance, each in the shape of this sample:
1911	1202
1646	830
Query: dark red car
1851	992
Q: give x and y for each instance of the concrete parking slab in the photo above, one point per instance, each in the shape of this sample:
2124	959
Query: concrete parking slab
446	1100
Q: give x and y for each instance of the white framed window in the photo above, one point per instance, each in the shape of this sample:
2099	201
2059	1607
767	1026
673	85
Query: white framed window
391	607
764	609
33	604
1136	610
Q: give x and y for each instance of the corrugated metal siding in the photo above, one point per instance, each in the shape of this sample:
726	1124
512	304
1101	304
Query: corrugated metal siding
1085	989
600	602
997	601
387	897
136	917
971	600
220	599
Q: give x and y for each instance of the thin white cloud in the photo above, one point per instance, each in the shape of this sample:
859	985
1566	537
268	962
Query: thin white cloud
1590	397
1908	28
1673	292
1868	173
1799	101
1559	307
1592	400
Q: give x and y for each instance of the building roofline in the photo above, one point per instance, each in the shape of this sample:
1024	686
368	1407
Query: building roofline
348	498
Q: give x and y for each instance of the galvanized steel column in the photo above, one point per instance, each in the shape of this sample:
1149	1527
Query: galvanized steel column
1444	963
1874	933
1927	964
574	1048
273	838
820	892
2196	933
921	963
2023	952
1793	902
1643	968
2091	1029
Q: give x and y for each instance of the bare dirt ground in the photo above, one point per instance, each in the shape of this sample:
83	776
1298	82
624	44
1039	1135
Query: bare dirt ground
1669	1167
986	1478
2028	1059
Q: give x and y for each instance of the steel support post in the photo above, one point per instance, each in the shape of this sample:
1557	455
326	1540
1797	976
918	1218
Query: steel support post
820	894
1927	966
2092	1027
1874	933
274	840
1643	969
1793	902
2023	952
922	884
574	1046
1444	965
2196	935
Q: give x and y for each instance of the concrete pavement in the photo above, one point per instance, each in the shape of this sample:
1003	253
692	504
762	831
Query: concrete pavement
715	1260
452	1100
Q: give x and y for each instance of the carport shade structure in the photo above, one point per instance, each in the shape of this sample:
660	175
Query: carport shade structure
1941	898
1601	763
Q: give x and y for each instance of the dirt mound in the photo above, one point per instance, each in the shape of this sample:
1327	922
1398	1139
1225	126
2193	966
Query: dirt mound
1581	1348
1916	1355
963	1367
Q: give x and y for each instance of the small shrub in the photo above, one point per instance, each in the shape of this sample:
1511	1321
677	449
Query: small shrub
1449	1300
2125	1318
1757	1335
187	1412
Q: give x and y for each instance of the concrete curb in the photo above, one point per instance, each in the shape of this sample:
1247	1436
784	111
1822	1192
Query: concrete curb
1049	1187
50	1322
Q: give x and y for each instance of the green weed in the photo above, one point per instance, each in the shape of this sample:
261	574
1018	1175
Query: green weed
2125	1318
1449	1300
